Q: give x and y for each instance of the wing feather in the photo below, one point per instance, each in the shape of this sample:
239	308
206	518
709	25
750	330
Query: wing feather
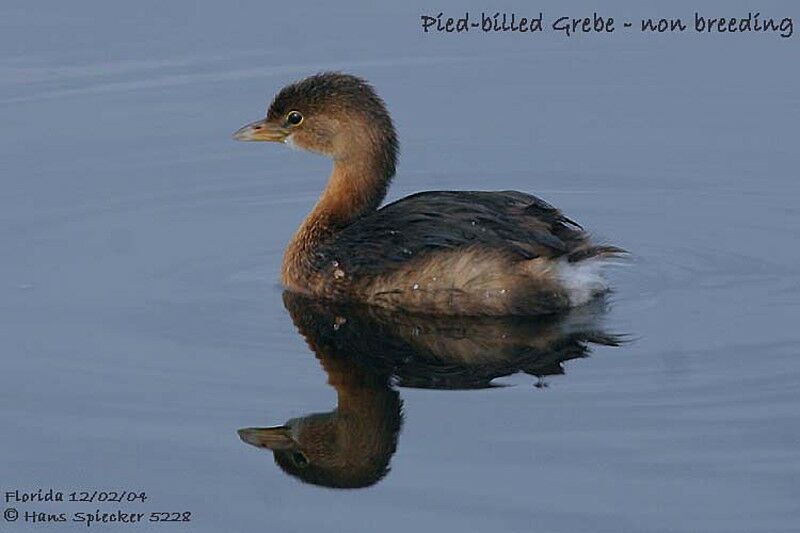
516	223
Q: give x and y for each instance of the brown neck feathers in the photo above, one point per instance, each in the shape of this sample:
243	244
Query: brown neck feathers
356	187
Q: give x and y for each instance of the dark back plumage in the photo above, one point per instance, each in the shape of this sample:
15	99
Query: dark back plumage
511	222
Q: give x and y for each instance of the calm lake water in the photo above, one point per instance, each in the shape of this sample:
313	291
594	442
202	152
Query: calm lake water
142	325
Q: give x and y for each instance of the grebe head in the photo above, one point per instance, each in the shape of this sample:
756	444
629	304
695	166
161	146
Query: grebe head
335	114
341	450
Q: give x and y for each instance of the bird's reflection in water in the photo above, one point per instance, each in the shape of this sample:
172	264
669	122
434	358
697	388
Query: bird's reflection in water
366	352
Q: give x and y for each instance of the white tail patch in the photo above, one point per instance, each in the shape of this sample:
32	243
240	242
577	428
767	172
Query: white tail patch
582	279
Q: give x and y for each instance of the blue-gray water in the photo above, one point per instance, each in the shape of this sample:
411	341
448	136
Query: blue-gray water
141	323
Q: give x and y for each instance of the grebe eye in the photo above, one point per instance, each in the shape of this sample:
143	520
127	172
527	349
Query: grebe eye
300	459
294	118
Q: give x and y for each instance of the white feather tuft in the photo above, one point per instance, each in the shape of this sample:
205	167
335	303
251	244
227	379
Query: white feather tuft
583	279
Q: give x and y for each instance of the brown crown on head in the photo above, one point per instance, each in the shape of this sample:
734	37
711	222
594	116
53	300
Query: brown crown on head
346	97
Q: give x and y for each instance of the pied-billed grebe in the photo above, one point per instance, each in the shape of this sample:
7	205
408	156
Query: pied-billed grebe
367	351
438	252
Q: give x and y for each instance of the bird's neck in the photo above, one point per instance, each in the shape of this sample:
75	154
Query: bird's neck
356	187
358	391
